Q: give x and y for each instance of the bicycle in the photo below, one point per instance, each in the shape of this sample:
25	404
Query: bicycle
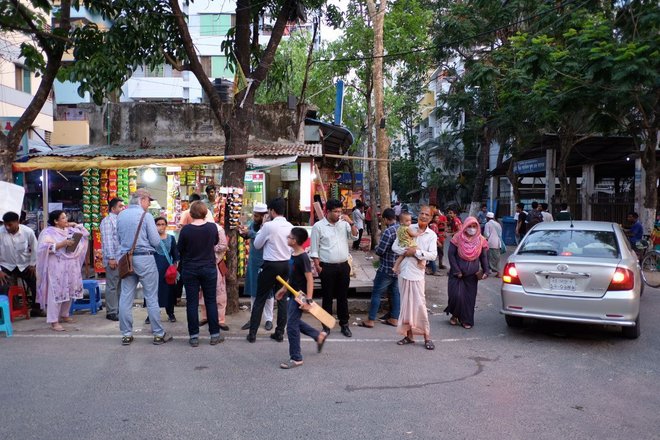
650	264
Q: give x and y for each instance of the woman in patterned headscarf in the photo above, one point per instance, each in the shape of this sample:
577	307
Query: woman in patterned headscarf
467	251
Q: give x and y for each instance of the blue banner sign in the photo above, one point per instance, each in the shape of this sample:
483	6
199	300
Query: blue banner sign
345	179
529	166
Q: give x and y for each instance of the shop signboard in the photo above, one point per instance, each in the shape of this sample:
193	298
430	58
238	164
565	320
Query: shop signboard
289	172
529	166
347	179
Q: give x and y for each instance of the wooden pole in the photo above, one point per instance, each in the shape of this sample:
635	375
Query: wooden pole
375	159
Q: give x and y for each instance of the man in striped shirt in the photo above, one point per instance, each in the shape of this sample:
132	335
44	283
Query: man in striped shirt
110	249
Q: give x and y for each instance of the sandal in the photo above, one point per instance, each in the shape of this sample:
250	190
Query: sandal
68	320
290	364
453	320
428	344
365	325
405	341
467	326
57	328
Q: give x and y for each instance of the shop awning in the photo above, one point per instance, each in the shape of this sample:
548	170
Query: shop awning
82	157
262	163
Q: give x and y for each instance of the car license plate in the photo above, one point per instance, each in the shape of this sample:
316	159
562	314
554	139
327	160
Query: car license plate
563	284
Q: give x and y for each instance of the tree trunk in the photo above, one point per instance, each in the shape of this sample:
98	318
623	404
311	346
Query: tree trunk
54	51
565	146
382	142
482	172
649	162
373	201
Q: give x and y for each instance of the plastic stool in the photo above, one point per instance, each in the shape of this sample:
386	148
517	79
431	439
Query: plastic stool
5	320
93	303
18	303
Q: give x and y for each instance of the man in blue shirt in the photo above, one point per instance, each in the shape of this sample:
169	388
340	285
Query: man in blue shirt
144	266
385	277
636	230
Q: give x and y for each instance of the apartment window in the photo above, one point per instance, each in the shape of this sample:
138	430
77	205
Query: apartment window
156	72
220	68
48	137
23	79
215	24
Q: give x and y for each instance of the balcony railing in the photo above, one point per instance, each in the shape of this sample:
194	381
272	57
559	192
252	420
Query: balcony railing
425	134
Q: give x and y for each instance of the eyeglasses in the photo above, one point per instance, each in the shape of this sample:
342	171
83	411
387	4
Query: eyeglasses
337	211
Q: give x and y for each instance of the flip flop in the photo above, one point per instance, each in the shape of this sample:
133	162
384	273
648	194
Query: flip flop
405	341
68	320
58	328
467	326
428	344
290	364
388	322
453	321
363	324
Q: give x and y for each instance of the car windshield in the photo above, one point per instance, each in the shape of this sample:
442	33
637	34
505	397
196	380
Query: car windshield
571	243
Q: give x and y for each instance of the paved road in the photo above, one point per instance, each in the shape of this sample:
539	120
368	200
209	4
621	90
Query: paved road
544	381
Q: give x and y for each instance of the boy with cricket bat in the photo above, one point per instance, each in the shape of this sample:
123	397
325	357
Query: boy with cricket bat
300	279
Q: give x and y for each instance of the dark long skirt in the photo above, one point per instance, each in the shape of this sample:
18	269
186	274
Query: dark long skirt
462	292
166	292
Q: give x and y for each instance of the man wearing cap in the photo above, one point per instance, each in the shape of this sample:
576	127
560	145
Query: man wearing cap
144	266
255	260
493	233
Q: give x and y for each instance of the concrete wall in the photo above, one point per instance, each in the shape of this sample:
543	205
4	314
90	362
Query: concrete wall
174	124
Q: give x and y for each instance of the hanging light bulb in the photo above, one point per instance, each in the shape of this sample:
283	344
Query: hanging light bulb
149	175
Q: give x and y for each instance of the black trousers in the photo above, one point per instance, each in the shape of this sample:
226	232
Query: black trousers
31	281
356	243
265	284
335	279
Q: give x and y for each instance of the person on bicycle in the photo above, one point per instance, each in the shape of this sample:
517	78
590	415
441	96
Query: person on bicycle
635	231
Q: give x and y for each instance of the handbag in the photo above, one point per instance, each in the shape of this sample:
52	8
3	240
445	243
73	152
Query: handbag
125	264
171	274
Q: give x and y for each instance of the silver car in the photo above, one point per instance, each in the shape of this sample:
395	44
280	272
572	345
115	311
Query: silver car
582	272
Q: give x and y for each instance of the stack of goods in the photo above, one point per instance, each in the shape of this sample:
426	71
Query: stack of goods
95	198
132	180
242	256
122	184
220	209
235	206
173	198
334	192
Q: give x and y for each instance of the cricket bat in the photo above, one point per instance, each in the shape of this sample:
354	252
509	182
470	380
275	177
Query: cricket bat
317	311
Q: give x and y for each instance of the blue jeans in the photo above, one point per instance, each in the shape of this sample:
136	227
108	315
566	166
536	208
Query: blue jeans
296	326
146	273
382	282
206	278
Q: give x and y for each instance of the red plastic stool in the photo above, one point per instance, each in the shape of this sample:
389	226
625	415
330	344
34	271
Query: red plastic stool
18	303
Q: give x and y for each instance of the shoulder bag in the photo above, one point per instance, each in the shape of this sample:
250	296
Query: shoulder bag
125	265
171	274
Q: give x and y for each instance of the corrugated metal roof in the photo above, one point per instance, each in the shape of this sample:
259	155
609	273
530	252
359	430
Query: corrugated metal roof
258	148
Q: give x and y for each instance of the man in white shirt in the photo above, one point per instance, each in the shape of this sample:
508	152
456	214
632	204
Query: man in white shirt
273	239
547	217
329	253
413	316
18	257
493	233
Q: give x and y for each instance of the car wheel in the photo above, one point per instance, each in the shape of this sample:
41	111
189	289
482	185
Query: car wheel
631	332
513	321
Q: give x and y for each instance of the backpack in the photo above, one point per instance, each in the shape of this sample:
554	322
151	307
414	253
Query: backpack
533	218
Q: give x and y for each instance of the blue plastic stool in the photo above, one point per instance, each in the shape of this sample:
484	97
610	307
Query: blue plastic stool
5	322
93	303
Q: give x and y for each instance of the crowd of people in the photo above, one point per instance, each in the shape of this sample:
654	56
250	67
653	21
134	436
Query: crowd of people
50	266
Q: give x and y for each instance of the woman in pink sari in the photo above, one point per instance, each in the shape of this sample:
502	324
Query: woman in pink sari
467	251
59	276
